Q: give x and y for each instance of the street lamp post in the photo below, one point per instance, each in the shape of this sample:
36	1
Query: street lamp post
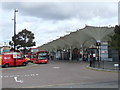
15	33
15	26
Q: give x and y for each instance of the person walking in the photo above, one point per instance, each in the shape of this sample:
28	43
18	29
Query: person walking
91	59
94	59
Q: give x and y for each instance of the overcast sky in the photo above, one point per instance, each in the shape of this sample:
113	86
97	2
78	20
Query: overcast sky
50	20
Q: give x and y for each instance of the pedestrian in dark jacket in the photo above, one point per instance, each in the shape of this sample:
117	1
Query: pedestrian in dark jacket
91	59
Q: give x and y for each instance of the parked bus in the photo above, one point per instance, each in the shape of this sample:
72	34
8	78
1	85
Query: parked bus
12	59
41	57
34	50
32	56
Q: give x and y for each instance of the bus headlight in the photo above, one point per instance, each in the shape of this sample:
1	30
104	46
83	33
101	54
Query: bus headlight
45	60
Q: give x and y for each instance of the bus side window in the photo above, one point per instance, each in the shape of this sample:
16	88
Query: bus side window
19	57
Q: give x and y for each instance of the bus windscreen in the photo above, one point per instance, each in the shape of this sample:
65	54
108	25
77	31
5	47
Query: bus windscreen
42	55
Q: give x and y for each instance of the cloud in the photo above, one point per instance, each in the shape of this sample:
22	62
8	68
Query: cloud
64	10
49	21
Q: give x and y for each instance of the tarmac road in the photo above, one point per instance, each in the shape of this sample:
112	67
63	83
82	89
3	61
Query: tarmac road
58	74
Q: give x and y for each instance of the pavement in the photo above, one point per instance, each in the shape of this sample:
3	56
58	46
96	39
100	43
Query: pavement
105	66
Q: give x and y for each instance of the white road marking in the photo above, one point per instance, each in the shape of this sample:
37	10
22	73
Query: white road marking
5	76
18	80
36	74
26	75
56	67
32	74
11	76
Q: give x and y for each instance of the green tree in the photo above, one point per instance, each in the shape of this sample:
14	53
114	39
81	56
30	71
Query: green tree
115	39
23	39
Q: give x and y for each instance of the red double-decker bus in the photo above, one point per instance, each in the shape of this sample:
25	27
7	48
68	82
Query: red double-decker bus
32	54
41	57
37	56
34	50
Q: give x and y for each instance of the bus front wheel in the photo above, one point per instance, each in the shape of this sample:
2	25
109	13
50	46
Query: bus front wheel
6	65
24	64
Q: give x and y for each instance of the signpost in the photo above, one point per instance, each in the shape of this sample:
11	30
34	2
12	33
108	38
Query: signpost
104	51
98	44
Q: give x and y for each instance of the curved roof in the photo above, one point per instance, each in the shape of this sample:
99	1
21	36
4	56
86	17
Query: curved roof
85	37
